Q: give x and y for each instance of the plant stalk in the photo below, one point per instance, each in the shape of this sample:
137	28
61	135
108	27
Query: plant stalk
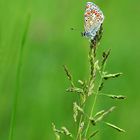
95	98
18	79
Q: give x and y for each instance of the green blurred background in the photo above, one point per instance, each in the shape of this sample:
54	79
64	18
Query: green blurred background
50	44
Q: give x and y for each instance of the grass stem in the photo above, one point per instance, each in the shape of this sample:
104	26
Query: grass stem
95	99
18	79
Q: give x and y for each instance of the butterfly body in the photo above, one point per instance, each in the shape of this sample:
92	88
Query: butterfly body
93	19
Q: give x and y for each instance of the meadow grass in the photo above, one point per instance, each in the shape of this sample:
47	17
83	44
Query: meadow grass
62	46
18	79
85	119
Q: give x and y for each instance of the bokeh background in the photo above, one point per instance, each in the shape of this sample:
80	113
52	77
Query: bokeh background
50	44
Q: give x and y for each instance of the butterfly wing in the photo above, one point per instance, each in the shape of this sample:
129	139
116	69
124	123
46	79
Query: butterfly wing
93	19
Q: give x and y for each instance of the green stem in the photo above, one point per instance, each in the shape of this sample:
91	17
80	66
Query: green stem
95	99
78	136
79	133
18	79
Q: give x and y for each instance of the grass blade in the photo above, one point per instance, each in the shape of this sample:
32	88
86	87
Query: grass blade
109	76
115	127
100	118
117	97
93	134
18	78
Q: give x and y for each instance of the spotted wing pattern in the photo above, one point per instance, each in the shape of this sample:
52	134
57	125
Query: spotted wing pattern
93	19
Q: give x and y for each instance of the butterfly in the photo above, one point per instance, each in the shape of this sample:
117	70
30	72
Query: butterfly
94	18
